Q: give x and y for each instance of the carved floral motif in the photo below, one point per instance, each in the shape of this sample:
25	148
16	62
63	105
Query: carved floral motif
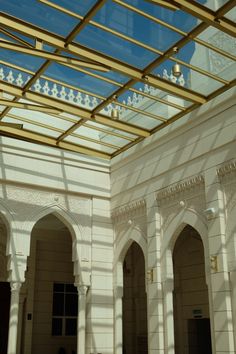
129	211
179	188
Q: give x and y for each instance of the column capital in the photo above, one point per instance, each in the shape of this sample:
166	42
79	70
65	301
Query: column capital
82	289
15	285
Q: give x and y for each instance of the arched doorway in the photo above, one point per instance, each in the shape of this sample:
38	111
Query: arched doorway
134	302
52	299
5	294
191	303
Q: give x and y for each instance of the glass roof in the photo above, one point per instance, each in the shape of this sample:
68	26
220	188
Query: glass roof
98	76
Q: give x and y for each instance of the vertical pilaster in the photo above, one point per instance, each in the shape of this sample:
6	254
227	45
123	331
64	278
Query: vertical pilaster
168	287
154	282
219	286
81	327
13	317
118	292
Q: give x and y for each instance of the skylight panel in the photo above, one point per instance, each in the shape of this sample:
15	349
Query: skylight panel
41	15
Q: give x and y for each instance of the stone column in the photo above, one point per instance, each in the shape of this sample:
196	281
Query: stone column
118	292
81	326
219	282
233	297
154	282
168	287
13	317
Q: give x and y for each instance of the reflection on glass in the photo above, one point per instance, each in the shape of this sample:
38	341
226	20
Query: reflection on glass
89	144
114	46
213	5
178	18
136	26
193	80
80	80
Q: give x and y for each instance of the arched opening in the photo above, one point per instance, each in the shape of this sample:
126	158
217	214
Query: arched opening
51	309
191	304
5	294
134	302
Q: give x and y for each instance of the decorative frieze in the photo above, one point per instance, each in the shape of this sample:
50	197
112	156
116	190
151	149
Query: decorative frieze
226	170
129	211
218	62
171	192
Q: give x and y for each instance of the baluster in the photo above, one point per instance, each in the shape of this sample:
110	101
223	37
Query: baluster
79	98
62	93
37	86
10	77
54	90
19	80
2	76
46	88
71	95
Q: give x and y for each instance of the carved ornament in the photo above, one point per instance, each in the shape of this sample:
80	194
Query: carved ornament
170	192
129	211
226	170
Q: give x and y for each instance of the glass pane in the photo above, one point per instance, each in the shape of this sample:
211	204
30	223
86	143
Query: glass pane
71	308
57	326
41	15
219	40
231	15
108	129
71	327
87	144
167	97
193	80
79	7
178	18
79	79
70	288
209	60
13	76
213	5
115	47
57	287
58	304
147	105
30	126
136	26
29	62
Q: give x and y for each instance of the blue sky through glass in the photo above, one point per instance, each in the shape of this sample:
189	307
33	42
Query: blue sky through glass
40	15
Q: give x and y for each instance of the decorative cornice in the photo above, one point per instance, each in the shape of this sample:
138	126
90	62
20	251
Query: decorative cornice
180	187
226	169
128	211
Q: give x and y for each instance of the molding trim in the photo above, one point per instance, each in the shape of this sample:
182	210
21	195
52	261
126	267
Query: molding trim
179	187
227	169
129	211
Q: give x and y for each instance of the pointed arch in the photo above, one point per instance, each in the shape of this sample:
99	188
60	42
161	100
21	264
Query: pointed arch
130	235
172	231
63	215
9	222
176	225
79	248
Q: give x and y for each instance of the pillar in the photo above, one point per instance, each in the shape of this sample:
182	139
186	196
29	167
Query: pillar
81	327
154	282
221	311
13	317
233	297
118	292
168	288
